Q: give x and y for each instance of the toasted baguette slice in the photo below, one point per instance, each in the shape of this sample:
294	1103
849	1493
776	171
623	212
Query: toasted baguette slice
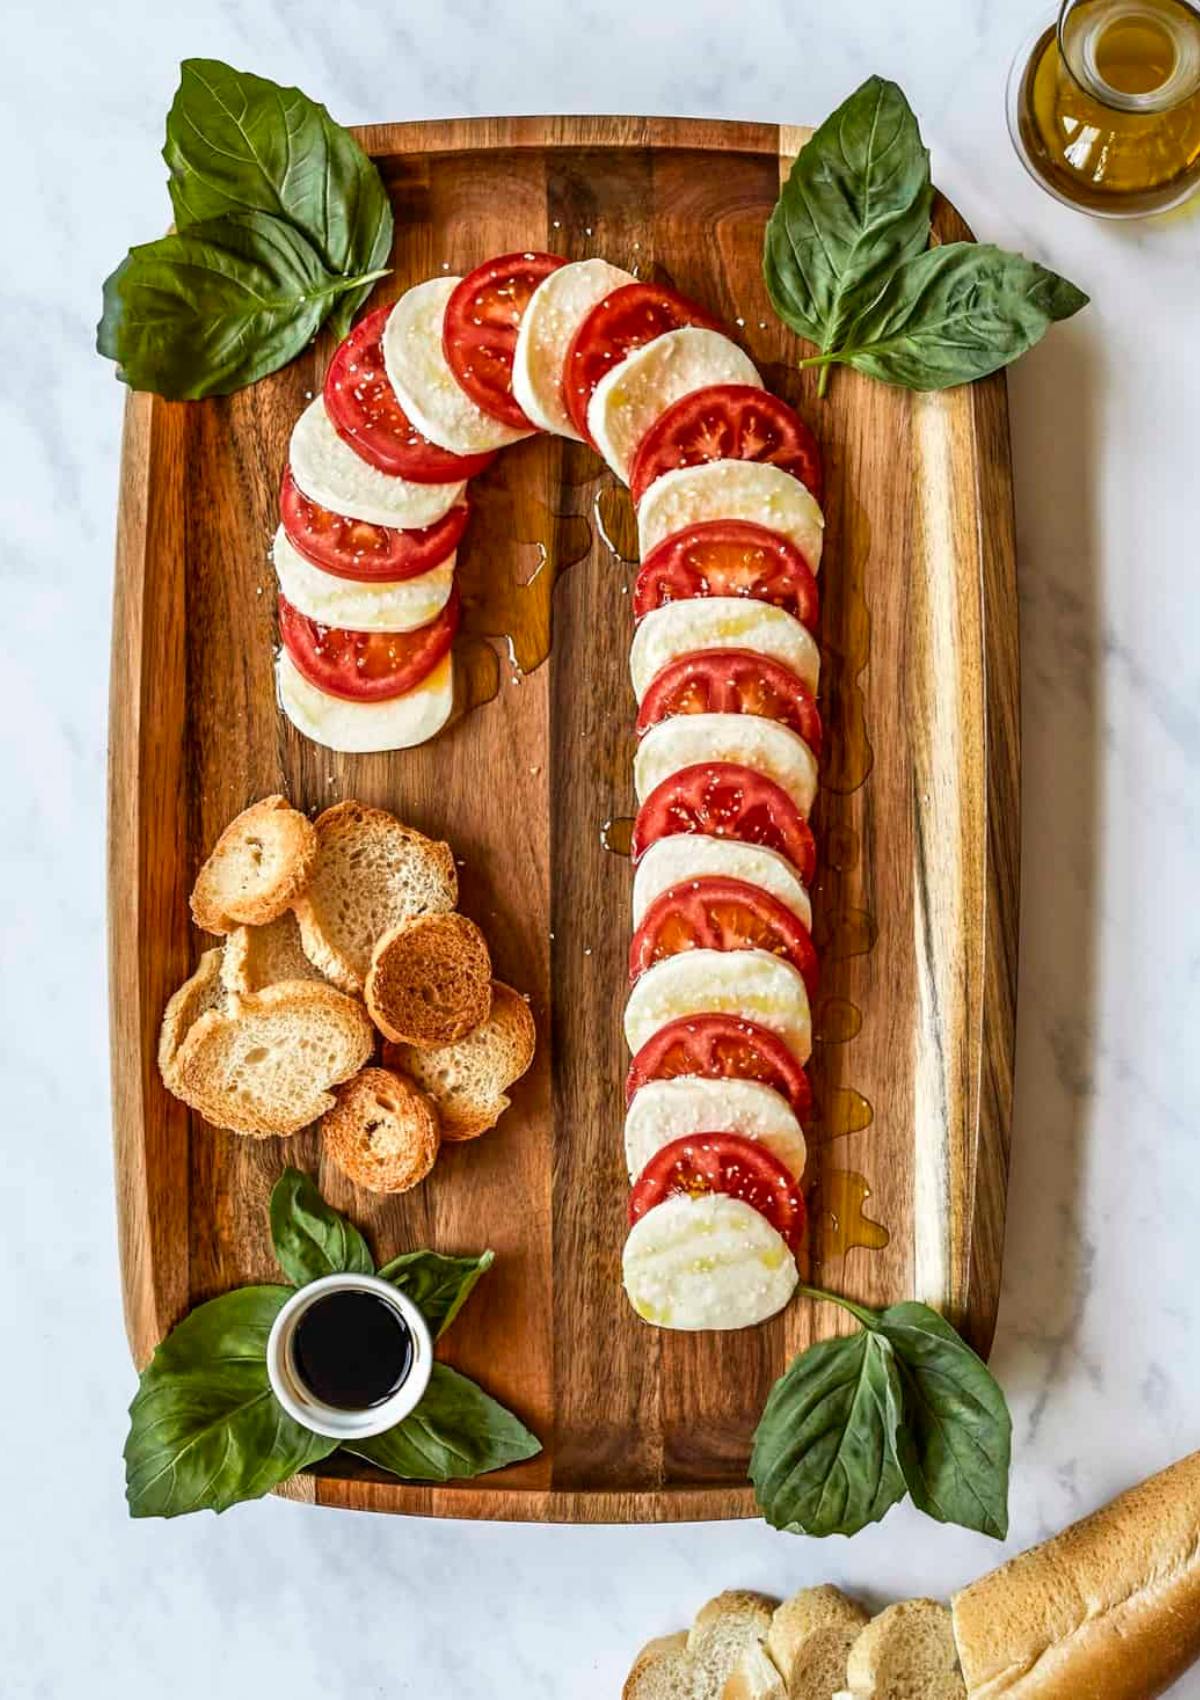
382	1132
255	957
371	875
259	865
1109	1609
906	1653
430	981
266	1064
204	991
469	1080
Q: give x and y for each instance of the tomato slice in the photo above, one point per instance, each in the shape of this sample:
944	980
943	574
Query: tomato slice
367	414
727	422
479	331
721	1047
714	913
732	681
366	666
728	557
726	800
723	1162
627	319
356	549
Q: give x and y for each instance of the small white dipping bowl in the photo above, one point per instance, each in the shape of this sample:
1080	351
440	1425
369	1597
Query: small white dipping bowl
332	1421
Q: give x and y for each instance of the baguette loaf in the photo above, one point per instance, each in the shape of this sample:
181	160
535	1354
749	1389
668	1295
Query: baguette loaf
1107	1610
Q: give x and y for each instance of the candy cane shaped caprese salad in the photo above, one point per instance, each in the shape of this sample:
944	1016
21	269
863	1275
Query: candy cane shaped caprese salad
726	479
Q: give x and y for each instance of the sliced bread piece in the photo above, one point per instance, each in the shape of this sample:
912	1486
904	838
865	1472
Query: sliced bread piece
906	1653
663	1671
808	1643
469	1079
371	874
258	866
266	1063
204	991
382	1132
723	1631
430	980
255	957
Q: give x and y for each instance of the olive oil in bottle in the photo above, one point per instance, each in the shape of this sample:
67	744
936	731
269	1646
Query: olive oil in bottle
1105	110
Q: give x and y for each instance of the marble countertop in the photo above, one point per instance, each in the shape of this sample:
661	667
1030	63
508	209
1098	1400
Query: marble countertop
1099	1338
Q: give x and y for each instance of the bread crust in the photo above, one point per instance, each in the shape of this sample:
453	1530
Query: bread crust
382	1133
430	981
257	868
1108	1609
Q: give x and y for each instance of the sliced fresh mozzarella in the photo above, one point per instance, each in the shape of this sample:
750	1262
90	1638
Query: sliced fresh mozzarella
358	728
687	856
764	746
731	489
328	472
630	397
663	1110
423	380
750	983
721	622
706	1262
357	605
556	309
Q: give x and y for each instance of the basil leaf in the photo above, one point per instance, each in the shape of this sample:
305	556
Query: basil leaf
824	1460
956	1441
855	205
456	1431
205	1430
212	309
312	1239
439	1286
239	143
956	313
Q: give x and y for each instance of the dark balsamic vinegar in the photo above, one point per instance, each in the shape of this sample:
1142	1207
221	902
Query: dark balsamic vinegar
352	1350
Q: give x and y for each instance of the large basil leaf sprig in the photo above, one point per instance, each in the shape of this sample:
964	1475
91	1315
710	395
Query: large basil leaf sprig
206	1431
281	223
903	1405
848	267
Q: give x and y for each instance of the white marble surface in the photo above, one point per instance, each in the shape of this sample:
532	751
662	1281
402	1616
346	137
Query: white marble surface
1099	1341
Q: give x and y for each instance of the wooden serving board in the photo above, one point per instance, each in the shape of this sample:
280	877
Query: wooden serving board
916	906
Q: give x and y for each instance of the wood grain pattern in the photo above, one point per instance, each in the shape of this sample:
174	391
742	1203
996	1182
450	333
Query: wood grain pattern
916	905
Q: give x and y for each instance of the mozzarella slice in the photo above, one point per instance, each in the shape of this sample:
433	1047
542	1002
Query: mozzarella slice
423	378
764	746
399	605
630	397
556	309
664	1110
731	489
721	622
687	856
752	984
707	1262
328	472
358	728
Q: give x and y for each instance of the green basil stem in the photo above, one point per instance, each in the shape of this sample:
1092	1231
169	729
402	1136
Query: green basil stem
868	1318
